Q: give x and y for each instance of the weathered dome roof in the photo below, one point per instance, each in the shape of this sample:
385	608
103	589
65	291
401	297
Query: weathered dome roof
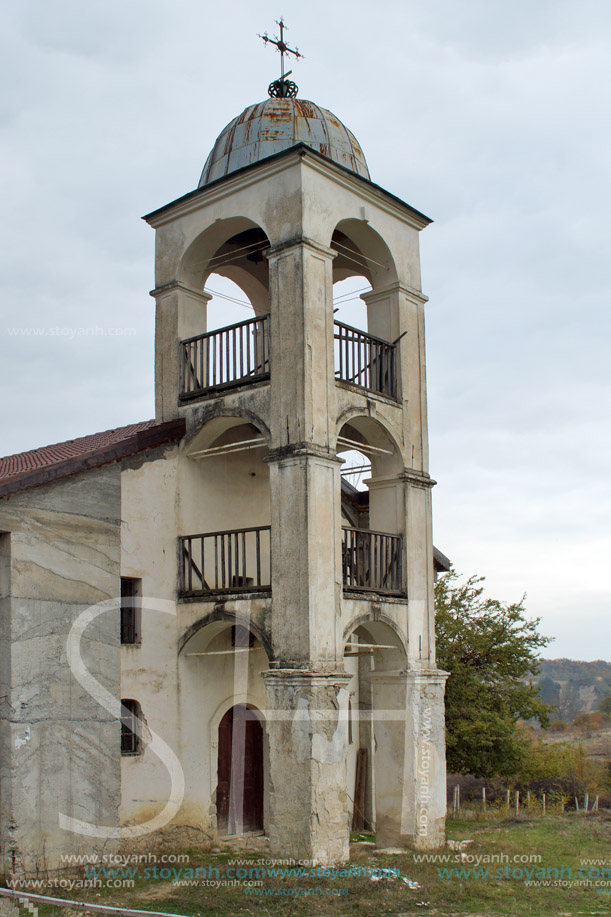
278	124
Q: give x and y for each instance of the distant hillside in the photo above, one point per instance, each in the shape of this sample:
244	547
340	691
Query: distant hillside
573	687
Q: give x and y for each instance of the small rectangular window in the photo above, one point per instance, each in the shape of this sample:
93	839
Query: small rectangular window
131	595
131	732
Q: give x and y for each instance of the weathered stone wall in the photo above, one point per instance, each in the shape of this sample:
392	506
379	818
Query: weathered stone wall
59	747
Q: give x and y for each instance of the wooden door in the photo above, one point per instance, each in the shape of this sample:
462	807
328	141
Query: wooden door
239	795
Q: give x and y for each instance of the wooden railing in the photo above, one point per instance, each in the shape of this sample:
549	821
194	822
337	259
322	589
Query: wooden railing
234	355
231	561
371	561
365	360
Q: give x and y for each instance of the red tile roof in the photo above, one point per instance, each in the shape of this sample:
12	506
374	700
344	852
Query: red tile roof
28	469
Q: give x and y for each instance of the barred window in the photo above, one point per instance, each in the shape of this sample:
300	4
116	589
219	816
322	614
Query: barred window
131	731
131	591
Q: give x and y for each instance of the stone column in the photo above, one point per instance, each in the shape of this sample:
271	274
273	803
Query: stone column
301	318
425	809
180	313
305	495
304	471
401	504
396	314
410	775
307	733
419	559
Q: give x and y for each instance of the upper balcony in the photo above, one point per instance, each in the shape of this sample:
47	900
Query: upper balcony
365	361
239	355
231	356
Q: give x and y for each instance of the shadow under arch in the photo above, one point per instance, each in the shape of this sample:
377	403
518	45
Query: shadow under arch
372	437
214	623
362	251
217	425
233	248
378	628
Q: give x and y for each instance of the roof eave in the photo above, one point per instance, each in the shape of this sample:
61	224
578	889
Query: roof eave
171	431
304	151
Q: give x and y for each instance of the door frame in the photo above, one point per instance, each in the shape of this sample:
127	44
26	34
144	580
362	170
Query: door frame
238	700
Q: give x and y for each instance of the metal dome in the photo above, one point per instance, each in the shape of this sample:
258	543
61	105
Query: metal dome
278	124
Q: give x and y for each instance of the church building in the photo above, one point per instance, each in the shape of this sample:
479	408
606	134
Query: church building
205	623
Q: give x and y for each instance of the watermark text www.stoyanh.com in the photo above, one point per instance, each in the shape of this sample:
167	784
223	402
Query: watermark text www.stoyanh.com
424	776
69	332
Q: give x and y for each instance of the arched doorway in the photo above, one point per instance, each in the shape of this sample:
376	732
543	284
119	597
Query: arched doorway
239	794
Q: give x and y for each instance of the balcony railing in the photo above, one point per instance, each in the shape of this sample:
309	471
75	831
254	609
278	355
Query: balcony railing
364	360
232	561
371	561
234	355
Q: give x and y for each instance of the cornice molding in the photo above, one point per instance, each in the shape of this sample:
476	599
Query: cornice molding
260	171
172	285
301	450
284	248
396	287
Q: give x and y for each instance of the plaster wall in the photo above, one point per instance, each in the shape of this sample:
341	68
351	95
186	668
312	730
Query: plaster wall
60	746
181	694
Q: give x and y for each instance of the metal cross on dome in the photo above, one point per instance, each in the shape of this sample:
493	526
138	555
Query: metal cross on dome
282	88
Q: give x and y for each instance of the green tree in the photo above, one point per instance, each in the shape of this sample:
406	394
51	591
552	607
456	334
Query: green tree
605	705
491	651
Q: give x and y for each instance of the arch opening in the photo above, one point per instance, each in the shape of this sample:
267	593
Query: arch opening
223	308
373	520
226	509
365	309
234	249
370	647
221	666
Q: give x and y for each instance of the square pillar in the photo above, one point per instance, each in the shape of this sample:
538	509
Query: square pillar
307	730
306	546
180	313
410	774
401	504
396	314
301	323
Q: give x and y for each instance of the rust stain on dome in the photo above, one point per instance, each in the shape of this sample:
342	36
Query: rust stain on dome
278	124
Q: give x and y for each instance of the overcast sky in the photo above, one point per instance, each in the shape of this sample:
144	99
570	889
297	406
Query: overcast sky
491	117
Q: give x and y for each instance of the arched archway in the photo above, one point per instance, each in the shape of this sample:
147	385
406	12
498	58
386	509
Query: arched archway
373	520
222	700
223	326
233	249
373	651
362	251
240	786
226	541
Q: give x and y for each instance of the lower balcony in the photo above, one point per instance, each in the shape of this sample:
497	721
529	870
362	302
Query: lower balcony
371	562
225	562
238	561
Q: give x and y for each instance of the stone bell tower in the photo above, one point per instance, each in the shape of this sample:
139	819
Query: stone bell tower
353	714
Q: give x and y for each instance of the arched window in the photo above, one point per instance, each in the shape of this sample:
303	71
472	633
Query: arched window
131	727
